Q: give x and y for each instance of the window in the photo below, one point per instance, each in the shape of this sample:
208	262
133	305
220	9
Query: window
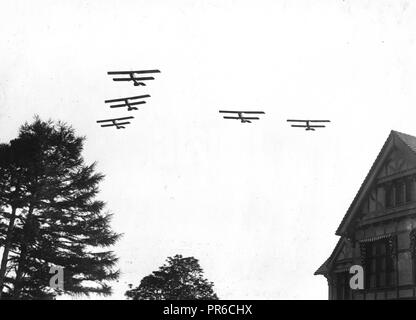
414	268
390	193
413	252
400	192
410	189
380	269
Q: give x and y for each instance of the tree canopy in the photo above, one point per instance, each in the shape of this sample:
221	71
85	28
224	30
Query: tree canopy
179	279
49	216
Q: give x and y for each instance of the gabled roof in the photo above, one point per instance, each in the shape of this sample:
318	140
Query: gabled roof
409	140
401	140
396	139
326	266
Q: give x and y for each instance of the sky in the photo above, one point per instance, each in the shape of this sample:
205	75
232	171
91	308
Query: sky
256	203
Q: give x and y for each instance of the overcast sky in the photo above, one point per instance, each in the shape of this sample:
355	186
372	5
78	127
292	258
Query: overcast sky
258	204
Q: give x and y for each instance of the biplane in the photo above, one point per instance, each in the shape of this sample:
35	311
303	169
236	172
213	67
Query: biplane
240	116
115	123
127	103
137	80
307	124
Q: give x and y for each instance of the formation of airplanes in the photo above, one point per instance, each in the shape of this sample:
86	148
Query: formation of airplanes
130	102
138	79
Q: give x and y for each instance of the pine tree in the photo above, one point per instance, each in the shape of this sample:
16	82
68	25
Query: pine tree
180	279
49	216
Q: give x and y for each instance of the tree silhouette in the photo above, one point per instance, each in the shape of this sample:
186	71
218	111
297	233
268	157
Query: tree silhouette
49	216
180	279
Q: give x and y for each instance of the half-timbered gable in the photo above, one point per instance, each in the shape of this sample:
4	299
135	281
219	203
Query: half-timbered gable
378	232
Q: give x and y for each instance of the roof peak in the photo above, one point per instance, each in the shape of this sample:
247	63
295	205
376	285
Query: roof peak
408	139
403	139
399	132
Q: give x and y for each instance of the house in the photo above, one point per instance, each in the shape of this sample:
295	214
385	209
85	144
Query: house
378	232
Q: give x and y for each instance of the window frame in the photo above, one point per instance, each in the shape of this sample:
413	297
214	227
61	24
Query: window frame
381	265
